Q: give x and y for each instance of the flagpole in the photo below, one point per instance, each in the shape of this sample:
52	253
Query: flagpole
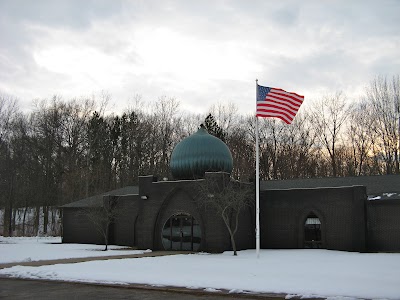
257	184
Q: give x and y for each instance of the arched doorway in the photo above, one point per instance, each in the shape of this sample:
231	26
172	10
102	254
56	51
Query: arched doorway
312	232
181	232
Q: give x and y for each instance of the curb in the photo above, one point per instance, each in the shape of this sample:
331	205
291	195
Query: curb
174	289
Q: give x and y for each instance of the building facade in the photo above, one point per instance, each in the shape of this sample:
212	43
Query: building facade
329	213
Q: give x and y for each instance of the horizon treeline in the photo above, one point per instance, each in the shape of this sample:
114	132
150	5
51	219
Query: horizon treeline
65	150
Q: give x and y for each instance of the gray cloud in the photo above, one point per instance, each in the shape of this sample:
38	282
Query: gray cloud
59	13
300	46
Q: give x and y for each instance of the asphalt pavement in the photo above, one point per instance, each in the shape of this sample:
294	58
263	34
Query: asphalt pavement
18	289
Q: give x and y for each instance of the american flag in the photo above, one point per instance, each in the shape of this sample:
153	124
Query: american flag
277	103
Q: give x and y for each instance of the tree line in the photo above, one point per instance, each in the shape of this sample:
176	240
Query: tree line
65	150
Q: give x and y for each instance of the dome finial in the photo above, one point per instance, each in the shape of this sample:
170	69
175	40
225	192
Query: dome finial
202	129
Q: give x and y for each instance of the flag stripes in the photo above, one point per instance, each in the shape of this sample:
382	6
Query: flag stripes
277	103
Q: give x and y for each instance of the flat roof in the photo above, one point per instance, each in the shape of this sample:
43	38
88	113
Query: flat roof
97	200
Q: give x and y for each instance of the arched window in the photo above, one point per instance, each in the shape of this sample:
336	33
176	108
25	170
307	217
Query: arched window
181	232
312	232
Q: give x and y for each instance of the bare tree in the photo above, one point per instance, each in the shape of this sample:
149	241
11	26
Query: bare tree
8	110
328	117
102	217
225	116
165	123
74	119
47	120
270	147
227	198
242	146
384	98
360	136
8	113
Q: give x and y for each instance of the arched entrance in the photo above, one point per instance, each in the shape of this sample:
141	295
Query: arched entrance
312	232
181	232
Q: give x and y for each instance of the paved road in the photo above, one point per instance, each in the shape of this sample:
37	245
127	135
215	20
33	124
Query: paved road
34	289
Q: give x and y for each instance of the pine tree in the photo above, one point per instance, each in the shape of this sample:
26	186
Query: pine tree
213	128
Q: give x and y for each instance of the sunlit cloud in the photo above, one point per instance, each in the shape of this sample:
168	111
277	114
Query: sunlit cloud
196	53
164	51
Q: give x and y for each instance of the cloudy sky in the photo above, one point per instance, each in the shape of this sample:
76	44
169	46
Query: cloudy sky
199	52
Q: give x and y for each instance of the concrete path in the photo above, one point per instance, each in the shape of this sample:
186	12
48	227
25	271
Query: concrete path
83	259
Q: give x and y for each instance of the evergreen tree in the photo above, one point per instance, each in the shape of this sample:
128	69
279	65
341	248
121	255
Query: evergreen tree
213	128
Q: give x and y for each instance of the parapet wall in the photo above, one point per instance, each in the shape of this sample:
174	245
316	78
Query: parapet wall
383	225
341	211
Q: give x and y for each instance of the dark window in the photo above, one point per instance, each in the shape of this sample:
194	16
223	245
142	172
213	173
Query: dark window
181	232
312	232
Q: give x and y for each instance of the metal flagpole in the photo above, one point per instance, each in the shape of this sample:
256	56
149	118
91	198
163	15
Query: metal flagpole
257	184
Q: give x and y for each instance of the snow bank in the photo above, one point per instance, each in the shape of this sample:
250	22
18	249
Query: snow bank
318	273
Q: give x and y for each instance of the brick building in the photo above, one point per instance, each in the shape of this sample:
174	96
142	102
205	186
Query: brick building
352	213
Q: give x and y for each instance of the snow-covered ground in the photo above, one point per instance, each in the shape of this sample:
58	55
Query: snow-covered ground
22	249
331	274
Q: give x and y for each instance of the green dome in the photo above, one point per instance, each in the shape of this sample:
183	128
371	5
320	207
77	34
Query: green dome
199	153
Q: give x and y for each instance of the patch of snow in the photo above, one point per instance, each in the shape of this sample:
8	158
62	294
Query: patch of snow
305	272
389	194
235	291
158	285
211	290
25	249
31	240
343	298
384	196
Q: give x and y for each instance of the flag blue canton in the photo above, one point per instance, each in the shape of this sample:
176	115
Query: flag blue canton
262	92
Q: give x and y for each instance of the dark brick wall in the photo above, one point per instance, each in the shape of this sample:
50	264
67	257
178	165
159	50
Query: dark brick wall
166	198
341	211
145	224
383	225
77	228
124	226
246	236
178	201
